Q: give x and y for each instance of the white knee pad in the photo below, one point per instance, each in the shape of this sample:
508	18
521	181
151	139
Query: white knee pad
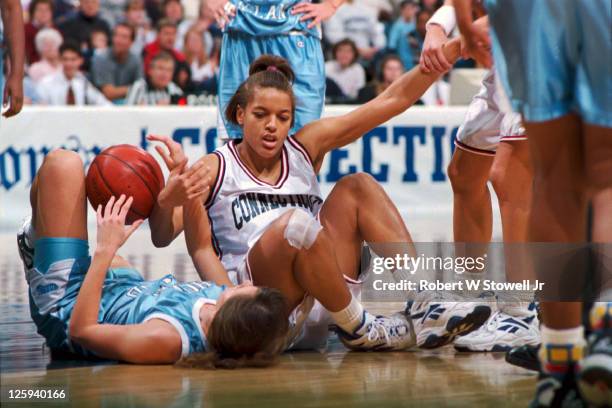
302	229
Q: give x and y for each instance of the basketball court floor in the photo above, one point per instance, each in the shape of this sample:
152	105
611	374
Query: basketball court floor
336	378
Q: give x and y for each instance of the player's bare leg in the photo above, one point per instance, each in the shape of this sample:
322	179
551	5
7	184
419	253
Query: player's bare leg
358	210
59	205
596	373
472	211
312	269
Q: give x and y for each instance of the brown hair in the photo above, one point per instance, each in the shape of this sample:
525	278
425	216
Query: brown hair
202	57
350	43
267	71
245	332
35	3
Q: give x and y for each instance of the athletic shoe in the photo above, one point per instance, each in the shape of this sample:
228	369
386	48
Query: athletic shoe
553	392
379	333
524	356
438	322
595	379
25	244
501	333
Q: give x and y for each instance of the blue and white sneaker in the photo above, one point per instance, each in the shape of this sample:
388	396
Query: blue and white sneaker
595	380
25	244
438	322
501	333
379	333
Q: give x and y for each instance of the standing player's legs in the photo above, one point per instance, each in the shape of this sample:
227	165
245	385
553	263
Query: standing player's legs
557	153
472	210
596	368
303	264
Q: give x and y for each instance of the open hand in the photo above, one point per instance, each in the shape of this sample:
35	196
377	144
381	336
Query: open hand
112	232
316	12
13	95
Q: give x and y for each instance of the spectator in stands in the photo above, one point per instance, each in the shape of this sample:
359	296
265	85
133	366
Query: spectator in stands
70	86
99	41
41	16
157	88
116	69
206	24
398	36
391	68
417	36
136	16
166	37
202	67
344	69
79	27
113	11
361	25
48	41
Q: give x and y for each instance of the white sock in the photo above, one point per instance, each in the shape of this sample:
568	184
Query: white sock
561	347
350	317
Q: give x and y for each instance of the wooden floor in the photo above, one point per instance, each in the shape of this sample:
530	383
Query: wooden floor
336	378
333	379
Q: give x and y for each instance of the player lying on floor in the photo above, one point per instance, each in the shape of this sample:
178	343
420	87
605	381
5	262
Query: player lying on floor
256	182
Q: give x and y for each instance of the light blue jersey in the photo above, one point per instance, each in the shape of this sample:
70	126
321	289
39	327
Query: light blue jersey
555	56
126	297
260	18
267	27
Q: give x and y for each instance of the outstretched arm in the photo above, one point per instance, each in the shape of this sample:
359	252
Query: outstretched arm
152	342
326	134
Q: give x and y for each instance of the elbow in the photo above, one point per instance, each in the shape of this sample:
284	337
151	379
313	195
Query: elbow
160	242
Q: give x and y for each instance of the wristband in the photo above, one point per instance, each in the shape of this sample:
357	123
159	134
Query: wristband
445	18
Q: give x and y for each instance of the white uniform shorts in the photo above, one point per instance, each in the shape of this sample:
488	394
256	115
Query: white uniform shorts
486	123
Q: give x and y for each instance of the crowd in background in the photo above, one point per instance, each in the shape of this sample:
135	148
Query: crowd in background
162	52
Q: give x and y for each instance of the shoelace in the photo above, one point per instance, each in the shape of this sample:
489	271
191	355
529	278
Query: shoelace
376	328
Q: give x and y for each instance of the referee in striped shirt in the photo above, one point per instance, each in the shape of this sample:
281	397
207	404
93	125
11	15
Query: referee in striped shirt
157	87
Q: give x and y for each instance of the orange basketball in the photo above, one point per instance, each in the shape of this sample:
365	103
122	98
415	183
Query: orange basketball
129	170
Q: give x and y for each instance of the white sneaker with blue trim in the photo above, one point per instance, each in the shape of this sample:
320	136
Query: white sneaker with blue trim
501	333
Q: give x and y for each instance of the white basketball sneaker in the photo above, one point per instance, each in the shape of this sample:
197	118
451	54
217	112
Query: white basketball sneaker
25	244
437	321
379	333
501	333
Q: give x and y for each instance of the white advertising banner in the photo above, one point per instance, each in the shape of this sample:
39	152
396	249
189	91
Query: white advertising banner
408	155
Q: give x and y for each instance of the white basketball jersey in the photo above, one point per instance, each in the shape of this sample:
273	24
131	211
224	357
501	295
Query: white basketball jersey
241	206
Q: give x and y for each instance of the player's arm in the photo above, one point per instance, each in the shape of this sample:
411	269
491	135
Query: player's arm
439	27
150	342
199	244
166	221
12	19
326	134
477	43
317	12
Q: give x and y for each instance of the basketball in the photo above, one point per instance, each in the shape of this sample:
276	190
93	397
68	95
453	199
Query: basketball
129	170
